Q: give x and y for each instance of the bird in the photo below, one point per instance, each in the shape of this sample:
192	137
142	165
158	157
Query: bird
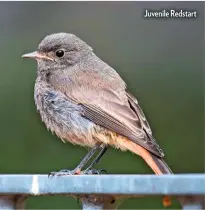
84	101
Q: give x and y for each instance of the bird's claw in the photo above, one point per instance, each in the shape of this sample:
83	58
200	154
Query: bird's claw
63	172
94	172
66	172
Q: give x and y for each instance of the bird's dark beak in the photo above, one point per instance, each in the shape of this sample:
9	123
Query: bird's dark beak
37	55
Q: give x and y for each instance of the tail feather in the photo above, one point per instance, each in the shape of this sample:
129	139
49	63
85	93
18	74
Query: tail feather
164	168
156	163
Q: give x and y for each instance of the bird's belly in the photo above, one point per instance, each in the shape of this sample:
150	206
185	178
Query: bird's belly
63	118
74	130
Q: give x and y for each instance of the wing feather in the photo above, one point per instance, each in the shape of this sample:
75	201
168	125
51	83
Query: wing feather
139	131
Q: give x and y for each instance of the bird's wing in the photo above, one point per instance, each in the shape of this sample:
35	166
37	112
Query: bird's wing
126	119
138	111
106	103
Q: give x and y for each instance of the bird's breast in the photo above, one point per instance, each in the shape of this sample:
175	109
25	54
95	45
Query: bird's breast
62	116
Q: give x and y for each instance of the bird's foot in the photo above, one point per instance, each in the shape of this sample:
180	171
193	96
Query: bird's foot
65	172
94	172
77	171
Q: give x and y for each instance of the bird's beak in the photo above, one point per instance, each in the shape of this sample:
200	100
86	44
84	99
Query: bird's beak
37	55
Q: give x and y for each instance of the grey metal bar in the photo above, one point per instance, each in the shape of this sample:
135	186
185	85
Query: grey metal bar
98	202
194	206
187	184
6	203
196	202
90	206
12	202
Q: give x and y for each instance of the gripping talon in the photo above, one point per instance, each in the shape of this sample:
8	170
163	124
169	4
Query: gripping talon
65	172
94	171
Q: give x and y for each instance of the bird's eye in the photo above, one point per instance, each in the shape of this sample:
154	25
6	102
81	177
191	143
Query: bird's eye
60	53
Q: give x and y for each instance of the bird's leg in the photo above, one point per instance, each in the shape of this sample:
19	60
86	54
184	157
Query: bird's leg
77	170
86	159
96	160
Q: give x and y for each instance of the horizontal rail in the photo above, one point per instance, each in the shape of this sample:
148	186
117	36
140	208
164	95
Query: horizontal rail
183	184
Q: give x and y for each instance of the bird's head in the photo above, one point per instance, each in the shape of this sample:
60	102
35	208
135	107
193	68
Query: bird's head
58	51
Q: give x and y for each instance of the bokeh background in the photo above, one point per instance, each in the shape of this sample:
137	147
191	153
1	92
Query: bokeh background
161	60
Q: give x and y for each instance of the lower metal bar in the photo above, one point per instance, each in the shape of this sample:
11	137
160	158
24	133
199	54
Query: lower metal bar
7	204
193	207
91	206
12	202
98	202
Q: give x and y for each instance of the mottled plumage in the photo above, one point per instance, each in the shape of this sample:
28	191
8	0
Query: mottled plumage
84	100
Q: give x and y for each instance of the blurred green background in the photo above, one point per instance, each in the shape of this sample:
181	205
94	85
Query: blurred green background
161	61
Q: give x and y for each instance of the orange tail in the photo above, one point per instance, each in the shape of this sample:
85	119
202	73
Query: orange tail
157	164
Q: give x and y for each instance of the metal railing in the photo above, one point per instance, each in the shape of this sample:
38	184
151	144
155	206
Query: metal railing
102	191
